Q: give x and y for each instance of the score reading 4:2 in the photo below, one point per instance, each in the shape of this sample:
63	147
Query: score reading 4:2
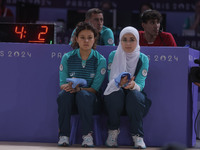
27	33
40	37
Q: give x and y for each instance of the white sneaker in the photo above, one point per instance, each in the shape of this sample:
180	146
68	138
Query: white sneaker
112	138
88	140
138	141
63	141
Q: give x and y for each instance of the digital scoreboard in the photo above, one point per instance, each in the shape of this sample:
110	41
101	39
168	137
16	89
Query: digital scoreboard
28	33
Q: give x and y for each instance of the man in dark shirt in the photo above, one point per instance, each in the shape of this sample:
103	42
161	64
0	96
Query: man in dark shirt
152	35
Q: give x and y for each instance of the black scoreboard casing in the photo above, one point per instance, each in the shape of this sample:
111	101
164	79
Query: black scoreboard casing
28	33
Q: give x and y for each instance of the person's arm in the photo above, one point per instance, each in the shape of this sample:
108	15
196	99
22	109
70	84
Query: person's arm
88	89
110	60
68	87
108	37
169	40
63	73
195	25
196	83
142	74
99	76
70	42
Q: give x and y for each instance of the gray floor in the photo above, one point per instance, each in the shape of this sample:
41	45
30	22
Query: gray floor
53	146
197	144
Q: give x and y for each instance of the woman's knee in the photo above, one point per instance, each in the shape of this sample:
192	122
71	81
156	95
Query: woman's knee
64	96
84	97
114	102
115	97
135	97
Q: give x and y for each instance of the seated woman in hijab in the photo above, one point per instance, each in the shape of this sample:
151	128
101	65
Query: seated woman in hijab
127	76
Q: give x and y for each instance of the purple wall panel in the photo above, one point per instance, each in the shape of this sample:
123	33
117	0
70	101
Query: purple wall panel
30	85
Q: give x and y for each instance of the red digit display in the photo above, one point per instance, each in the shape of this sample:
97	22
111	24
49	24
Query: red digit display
40	39
28	33
42	33
20	32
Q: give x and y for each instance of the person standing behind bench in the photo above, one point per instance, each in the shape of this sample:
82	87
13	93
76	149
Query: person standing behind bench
127	76
4	11
94	16
152	34
193	22
86	63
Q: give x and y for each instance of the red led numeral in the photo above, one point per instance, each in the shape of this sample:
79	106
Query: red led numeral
21	32
42	33
40	39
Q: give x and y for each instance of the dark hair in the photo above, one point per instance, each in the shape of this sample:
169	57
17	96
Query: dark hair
151	15
92	11
80	27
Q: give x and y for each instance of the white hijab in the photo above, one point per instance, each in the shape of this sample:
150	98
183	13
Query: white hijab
123	62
